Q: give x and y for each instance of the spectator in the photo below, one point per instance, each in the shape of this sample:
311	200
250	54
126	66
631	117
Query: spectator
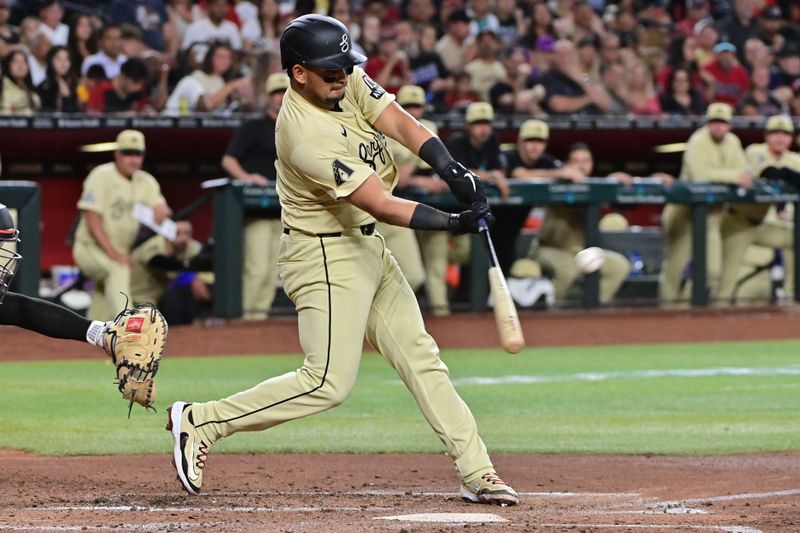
9	34
150	16
246	10
756	53
58	91
485	70
567	89
562	236
370	35
461	95
482	17
770	24
612	77
588	59
264	31
511	94
389	68
740	24
727	79
696	10
81	42
681	98
758	101
407	38
17	94
713	154
126	93
541	24
110	56
642	97
456	47
211	87
746	224
250	158
415	174
610	49
626	27
786	72
51	14
706	38
213	27
107	228
95	75
164	271
427	68
421	13
512	22
37	57
181	13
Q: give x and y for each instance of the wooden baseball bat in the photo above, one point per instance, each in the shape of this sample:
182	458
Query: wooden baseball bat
505	313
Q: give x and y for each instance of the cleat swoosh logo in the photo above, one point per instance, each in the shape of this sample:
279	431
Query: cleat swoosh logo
192	472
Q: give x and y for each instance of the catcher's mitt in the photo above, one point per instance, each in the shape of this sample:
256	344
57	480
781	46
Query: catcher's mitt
135	340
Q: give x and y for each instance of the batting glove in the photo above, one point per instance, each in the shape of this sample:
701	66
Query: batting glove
464	184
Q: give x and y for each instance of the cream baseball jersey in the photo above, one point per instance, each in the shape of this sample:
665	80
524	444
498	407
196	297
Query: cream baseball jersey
107	192
759	158
324	155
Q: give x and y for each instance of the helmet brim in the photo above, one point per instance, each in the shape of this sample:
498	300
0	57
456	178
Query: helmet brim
338	61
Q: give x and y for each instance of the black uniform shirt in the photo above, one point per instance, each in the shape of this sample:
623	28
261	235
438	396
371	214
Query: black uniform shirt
487	157
253	145
545	162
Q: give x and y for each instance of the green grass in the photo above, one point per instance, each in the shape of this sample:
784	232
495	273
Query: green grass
71	407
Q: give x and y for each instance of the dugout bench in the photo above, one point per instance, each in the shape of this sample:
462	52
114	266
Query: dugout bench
231	200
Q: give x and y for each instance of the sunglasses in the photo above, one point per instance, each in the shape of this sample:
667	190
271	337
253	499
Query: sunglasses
131	152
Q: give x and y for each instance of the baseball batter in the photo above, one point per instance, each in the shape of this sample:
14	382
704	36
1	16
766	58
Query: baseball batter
107	227
335	175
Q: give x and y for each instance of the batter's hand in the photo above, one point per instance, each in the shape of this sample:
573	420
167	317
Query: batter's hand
467	221
464	184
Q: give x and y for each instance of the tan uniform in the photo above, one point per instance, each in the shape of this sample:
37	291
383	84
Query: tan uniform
148	284
108	193
744	225
704	160
422	258
560	238
344	282
262	237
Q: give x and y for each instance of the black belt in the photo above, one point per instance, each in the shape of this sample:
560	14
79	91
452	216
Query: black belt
366	229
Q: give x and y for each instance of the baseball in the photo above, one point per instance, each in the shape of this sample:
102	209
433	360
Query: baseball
590	259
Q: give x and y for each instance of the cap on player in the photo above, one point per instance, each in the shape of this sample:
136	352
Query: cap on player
479	112
781	123
719	112
411	95
534	130
526	268
278	81
130	141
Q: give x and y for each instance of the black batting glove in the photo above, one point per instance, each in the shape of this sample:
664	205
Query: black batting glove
464	184
467	221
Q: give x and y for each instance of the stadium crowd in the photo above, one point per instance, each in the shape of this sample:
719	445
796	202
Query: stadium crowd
628	57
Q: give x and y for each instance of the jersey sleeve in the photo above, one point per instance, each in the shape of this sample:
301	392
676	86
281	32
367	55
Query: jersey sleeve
326	162
93	197
370	97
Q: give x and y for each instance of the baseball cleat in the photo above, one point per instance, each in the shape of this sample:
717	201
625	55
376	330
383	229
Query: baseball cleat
489	488
190	451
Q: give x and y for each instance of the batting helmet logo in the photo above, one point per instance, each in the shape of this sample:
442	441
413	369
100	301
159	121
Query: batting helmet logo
344	44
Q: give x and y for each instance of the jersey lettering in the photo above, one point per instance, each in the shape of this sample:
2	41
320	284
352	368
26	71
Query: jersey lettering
376	149
375	90
341	172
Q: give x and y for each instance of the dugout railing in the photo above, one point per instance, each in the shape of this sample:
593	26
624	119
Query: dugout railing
232	201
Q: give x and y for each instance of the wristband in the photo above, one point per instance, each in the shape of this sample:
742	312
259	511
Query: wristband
426	217
434	152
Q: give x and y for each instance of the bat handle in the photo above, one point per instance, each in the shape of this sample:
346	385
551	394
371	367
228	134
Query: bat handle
482	225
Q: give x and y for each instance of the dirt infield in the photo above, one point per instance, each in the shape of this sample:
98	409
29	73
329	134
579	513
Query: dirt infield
352	493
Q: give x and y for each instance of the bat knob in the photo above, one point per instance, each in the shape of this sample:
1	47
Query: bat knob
482	225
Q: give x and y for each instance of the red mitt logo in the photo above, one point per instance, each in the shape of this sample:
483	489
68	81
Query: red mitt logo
134	324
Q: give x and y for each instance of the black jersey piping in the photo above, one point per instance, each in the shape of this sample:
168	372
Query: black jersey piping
327	357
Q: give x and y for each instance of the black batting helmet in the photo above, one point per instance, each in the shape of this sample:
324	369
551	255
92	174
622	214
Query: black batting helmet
9	259
318	41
